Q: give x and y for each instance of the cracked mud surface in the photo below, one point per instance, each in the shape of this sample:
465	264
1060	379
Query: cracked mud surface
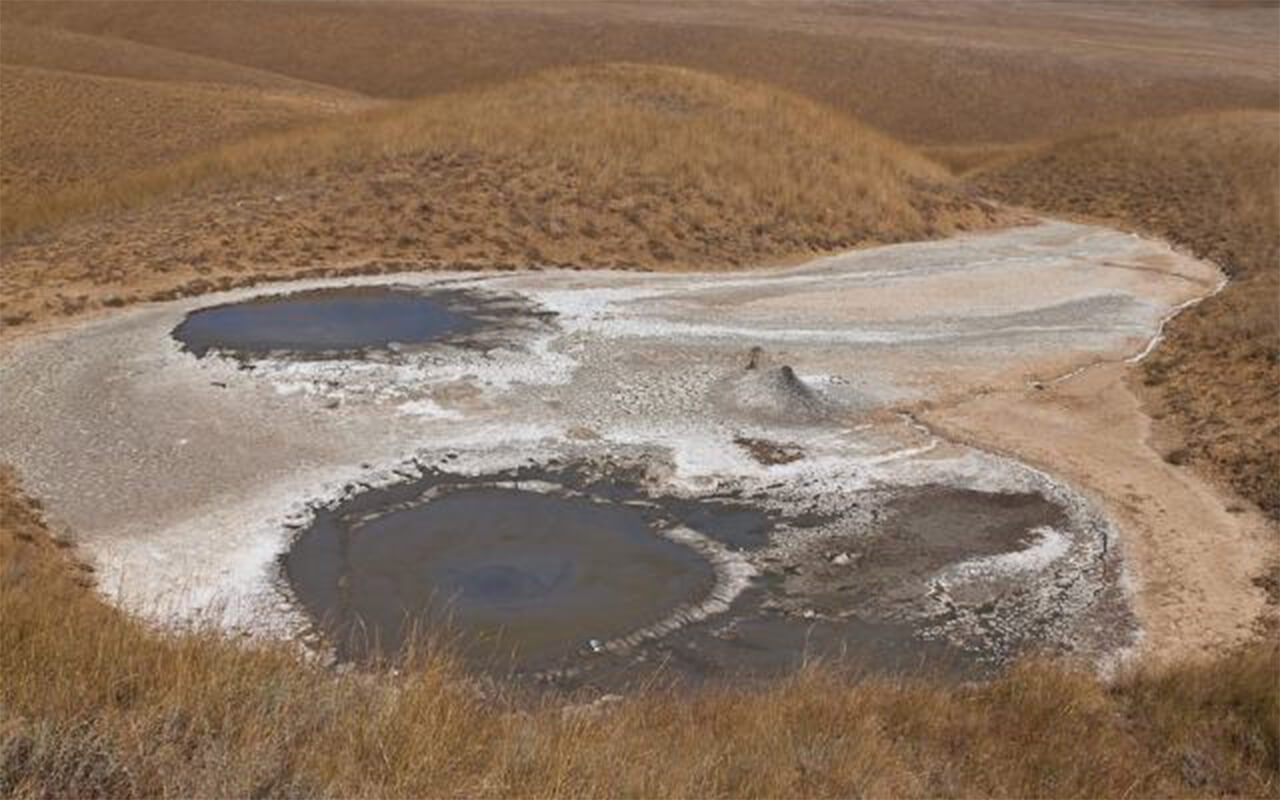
187	479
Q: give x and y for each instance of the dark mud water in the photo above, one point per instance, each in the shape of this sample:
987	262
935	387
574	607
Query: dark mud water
342	321
513	576
534	574
523	582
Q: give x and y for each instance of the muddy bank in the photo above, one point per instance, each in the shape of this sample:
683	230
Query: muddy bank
186	478
1193	552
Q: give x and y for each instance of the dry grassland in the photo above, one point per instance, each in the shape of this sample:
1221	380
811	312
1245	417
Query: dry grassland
111	57
111	126
920	71
619	166
120	106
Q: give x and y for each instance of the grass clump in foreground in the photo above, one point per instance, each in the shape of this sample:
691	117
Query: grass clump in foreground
94	704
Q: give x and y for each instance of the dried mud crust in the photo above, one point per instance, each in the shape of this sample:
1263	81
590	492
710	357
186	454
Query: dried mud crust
955	565
1193	555
658	360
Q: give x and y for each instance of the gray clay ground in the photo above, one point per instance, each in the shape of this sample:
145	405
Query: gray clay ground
186	479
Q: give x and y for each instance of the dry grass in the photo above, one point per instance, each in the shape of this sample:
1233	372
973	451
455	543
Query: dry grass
111	57
611	124
92	704
622	166
918	70
1210	183
112	126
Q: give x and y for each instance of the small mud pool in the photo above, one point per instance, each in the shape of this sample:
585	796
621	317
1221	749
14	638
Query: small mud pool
336	321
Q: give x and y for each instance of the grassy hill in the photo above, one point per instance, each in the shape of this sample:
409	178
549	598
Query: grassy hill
921	72
57	48
108	126
624	166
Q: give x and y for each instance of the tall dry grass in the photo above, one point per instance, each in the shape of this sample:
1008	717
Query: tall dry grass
93	704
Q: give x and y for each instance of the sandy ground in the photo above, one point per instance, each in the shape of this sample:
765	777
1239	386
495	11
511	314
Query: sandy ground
1193	554
182	478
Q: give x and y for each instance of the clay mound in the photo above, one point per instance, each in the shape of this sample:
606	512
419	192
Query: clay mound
775	394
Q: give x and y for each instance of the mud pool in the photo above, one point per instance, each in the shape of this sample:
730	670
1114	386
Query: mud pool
596	477
580	575
350	321
536	574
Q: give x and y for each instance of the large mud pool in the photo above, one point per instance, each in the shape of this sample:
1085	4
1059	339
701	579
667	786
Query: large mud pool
587	574
595	479
539	574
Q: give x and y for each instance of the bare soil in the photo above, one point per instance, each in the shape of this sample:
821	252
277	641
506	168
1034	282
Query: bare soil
1211	184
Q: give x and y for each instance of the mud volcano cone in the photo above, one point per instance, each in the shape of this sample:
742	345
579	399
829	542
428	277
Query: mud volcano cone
775	393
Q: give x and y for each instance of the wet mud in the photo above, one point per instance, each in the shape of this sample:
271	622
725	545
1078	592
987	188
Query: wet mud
577	576
343	322
529	576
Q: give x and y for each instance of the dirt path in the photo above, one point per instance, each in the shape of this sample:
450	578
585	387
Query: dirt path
1192	559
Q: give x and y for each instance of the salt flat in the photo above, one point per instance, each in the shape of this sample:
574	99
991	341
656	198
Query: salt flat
183	478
